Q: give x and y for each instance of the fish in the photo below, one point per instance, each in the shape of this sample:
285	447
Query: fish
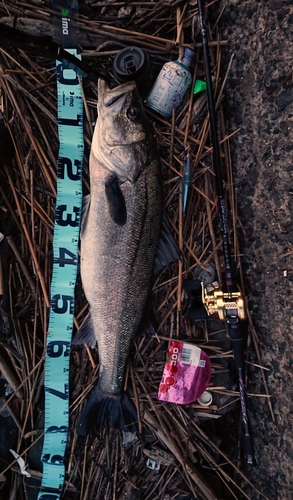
119	238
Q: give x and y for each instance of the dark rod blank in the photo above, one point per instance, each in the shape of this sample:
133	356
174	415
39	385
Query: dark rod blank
232	319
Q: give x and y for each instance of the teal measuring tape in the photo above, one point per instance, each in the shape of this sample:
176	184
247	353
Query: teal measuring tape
65	251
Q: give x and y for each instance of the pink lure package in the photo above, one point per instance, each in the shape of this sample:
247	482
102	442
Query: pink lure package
186	375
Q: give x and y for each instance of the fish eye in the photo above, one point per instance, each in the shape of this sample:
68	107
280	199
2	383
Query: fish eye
133	113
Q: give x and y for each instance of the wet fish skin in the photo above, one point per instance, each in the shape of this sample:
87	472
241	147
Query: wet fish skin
119	240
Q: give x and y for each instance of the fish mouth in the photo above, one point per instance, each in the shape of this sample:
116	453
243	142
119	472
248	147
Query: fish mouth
122	144
115	96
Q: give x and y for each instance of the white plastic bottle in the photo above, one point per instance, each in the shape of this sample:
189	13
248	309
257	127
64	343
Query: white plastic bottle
171	85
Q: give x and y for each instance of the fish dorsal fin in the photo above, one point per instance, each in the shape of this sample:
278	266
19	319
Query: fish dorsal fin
85	334
168	250
116	201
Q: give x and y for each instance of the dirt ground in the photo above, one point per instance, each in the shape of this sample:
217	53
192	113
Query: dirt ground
259	99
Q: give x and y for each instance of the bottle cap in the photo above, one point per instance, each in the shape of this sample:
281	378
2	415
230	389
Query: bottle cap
189	54
205	399
131	63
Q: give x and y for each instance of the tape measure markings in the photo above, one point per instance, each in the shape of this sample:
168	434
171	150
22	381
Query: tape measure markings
65	260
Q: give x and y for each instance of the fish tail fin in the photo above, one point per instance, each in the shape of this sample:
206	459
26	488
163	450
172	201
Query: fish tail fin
104	410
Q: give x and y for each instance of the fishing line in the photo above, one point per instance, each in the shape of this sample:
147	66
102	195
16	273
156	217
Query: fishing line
65	264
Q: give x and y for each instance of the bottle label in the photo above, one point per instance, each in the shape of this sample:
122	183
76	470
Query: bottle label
186	375
169	88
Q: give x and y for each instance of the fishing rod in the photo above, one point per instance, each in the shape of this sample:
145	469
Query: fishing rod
229	305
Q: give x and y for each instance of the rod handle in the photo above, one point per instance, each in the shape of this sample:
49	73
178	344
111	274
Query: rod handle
237	339
248	450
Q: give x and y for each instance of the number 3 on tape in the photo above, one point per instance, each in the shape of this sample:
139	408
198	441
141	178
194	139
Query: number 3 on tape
65	250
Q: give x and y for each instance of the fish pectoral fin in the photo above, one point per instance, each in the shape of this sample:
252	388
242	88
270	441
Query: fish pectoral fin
116	201
168	250
85	334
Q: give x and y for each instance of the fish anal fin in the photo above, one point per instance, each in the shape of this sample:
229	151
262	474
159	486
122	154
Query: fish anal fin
116	201
150	320
85	334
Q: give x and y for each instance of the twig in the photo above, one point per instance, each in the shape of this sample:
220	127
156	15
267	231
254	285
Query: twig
190	469
10	377
32	250
21	263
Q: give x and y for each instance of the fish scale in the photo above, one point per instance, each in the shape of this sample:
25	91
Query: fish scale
116	271
117	252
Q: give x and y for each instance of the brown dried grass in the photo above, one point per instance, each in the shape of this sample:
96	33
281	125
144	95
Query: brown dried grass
101	467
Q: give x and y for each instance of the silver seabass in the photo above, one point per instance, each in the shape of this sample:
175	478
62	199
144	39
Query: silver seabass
119	239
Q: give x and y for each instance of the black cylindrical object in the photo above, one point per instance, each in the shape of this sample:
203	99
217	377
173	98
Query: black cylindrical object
131	63
232	318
